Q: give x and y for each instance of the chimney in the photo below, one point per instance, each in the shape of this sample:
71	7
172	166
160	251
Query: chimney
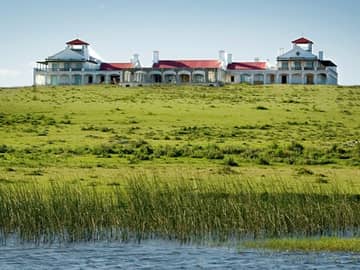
135	57
155	57
135	60
229	58
222	55
321	55
222	58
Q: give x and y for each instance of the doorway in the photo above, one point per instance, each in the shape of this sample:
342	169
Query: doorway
309	79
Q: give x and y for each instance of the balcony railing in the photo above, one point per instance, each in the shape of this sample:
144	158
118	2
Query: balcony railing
64	69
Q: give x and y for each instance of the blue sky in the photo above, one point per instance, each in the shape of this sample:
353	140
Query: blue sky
33	30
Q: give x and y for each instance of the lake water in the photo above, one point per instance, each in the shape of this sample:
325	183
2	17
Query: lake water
153	254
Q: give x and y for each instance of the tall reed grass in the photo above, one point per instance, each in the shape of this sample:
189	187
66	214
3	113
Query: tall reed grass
183	210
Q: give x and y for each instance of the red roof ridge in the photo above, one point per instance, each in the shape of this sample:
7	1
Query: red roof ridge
189	63
116	66
77	42
259	65
302	40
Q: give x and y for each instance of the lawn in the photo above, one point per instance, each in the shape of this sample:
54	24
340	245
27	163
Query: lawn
99	132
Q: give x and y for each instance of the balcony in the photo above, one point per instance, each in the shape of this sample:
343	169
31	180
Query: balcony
63	69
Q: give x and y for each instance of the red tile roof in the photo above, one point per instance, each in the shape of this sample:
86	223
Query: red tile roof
302	40
115	66
77	42
187	64
247	65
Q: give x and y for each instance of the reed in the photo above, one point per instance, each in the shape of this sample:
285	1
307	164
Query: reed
332	244
184	210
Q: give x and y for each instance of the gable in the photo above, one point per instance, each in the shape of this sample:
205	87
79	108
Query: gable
297	53
67	54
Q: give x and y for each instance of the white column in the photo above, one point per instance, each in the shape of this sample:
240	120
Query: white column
252	79
34	76
107	78
82	79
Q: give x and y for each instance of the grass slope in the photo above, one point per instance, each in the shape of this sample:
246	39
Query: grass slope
97	132
180	161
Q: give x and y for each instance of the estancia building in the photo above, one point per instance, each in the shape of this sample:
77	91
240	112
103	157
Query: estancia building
78	64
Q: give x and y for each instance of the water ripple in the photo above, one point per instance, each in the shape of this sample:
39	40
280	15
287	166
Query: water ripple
155	254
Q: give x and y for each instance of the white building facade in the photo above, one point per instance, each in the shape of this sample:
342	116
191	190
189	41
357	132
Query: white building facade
78	64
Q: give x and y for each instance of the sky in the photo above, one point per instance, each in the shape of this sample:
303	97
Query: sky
30	31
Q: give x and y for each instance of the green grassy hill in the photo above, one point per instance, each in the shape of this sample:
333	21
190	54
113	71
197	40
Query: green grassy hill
181	163
101	134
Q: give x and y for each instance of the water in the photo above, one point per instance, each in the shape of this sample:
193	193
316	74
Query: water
153	254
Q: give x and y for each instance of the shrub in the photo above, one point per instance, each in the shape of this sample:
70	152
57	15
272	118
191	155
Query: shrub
144	152
261	108
4	148
231	162
296	147
263	161
304	171
214	152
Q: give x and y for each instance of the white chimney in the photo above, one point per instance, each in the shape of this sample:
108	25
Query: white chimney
222	55
321	55
229	58
135	60
222	58
155	57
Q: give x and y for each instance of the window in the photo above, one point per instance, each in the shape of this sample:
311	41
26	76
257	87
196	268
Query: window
127	76
297	65
284	65
309	65
211	76
198	78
